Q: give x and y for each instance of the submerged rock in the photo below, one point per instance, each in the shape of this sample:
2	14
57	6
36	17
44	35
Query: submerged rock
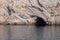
25	11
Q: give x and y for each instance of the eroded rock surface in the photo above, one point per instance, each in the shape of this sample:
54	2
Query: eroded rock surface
26	11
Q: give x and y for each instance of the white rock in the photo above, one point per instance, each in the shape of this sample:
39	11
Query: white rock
20	11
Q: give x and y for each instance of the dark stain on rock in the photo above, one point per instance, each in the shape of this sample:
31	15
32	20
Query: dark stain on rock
39	3
13	10
58	4
10	10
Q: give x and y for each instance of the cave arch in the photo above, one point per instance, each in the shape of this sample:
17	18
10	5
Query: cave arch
40	21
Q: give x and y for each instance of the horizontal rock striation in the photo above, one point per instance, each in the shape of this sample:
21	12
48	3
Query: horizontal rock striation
27	11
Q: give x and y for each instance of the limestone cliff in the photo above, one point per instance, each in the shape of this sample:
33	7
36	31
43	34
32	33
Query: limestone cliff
26	11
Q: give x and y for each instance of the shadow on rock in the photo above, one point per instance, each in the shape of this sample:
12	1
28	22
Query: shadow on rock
40	22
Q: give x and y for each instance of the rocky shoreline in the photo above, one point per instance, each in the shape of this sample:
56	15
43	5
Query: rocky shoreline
27	11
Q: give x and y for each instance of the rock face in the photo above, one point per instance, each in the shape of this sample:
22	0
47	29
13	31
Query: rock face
26	11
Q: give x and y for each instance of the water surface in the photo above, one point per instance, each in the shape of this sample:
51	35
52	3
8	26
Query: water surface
29	32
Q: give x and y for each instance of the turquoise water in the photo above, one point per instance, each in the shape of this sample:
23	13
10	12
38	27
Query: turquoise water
29	32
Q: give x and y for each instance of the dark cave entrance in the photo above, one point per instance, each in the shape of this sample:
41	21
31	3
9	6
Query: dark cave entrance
40	22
